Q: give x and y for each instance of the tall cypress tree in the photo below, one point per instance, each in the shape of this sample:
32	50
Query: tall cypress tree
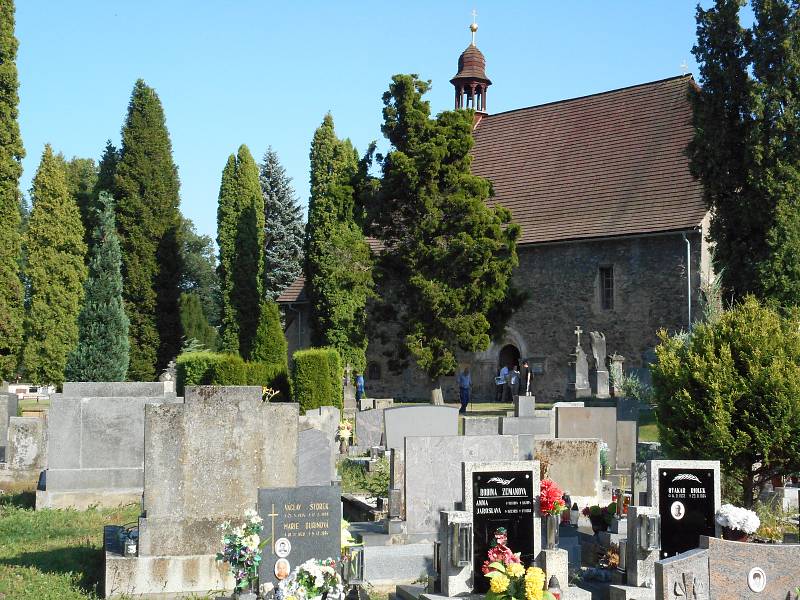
240	237
453	255
269	345
283	252
146	191
338	262
103	345
11	154
56	271
194	322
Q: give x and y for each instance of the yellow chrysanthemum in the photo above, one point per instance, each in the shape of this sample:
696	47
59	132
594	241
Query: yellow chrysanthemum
499	584
515	570
534	582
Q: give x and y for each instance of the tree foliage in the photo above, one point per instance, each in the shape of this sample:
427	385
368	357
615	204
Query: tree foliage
240	237
338	264
269	344
730	391
11	155
103	346
450	254
55	250
194	323
146	189
283	228
81	177
746	150
199	276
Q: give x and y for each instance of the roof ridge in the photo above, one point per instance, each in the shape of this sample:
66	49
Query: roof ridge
688	77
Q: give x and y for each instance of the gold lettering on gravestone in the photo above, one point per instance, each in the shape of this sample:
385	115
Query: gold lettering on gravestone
316	525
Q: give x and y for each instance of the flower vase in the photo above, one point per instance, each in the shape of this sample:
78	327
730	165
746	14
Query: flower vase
551	523
734	535
342	446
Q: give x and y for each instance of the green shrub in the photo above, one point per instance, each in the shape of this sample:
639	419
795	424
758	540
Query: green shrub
192	368
314	378
271	376
269	343
213	368
228	369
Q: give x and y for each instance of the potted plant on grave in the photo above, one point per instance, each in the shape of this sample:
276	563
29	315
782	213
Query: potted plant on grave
600	516
737	523
551	505
508	578
241	550
313	580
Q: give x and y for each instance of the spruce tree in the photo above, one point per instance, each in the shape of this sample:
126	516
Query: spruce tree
107	169
55	250
11	153
146	191
338	262
283	220
269	344
240	237
194	322
452	255
103	345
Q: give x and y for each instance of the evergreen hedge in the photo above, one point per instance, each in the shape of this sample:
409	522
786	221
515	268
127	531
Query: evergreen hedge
214	368
316	379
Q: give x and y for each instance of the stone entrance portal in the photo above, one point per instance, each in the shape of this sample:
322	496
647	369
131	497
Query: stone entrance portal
508	357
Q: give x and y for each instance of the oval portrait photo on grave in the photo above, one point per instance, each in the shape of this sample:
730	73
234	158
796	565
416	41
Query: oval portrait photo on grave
677	510
283	547
282	569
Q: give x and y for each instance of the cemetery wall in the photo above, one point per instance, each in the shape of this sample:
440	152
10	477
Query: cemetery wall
99	389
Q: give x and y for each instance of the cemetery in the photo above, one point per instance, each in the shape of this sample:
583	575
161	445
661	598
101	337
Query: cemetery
546	353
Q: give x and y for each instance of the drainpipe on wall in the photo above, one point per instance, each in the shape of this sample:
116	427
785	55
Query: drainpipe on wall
689	276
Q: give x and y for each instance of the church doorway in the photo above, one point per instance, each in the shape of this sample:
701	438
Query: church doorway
509	356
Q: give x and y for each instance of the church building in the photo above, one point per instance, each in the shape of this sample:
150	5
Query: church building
613	226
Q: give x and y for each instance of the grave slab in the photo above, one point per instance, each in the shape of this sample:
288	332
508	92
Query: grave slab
314	457
686	573
369	427
108	389
481	425
574	464
427	420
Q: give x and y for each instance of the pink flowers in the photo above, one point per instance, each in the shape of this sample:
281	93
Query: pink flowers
550	498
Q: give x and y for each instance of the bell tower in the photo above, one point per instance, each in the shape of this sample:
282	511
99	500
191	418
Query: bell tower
471	82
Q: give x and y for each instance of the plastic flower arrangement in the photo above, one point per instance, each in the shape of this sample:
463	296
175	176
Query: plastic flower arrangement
508	578
551	498
312	580
735	517
345	431
241	548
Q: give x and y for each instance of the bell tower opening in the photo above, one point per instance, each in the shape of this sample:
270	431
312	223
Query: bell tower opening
471	82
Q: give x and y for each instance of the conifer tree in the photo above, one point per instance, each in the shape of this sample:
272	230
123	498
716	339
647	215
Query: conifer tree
146	190
194	322
452	255
107	169
81	177
338	262
12	312
103	345
240	237
283	220
199	277
269	345
56	271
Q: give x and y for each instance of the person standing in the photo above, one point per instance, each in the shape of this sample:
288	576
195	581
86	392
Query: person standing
464	385
512	384
359	387
525	378
502	383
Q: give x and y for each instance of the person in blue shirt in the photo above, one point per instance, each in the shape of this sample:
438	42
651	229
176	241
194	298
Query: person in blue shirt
359	386
464	385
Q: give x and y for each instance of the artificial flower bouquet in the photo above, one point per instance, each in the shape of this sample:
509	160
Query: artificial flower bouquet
241	548
601	513
740	519
551	500
313	580
508	578
345	431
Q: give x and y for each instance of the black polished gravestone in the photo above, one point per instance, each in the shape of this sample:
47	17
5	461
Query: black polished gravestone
300	523
501	499
686	507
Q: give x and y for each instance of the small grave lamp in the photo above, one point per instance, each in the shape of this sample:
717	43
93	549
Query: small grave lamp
554	588
461	544
353	564
574	515
649	532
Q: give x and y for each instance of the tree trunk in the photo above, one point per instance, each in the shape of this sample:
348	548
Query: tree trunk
436	392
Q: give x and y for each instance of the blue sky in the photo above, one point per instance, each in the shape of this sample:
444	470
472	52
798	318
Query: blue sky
265	73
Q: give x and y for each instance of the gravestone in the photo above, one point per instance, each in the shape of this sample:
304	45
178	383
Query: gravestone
27	443
578	376
369	428
616	373
481	425
686	495
502	494
427	420
315	462
301	523
231	393
324	418
107	389
433	474
574	464
599	373
8	409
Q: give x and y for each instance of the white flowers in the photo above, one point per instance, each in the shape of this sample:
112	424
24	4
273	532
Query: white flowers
739	518
251	542
252	516
312	579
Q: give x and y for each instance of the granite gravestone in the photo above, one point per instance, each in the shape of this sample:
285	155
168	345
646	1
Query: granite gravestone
418	421
578	376
502	499
600	374
315	462
300	523
686	507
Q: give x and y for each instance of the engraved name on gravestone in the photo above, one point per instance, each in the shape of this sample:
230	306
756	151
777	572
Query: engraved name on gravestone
686	507
501	499
300	523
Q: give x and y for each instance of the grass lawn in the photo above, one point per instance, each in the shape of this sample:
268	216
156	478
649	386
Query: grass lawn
53	554
32	404
648	431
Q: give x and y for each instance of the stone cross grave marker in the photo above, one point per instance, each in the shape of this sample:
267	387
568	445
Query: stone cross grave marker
300	523
598	341
502	495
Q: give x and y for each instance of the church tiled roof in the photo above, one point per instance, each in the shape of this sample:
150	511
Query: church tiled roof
606	165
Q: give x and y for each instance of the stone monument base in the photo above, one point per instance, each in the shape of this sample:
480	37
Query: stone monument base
84	499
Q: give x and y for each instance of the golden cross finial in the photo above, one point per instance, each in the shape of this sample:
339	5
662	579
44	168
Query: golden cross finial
684	67
474	27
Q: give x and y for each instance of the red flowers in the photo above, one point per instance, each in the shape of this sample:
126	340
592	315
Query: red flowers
550	498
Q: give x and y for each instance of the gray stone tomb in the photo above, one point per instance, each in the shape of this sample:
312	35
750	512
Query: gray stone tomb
425	420
315	463
599	375
578	372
